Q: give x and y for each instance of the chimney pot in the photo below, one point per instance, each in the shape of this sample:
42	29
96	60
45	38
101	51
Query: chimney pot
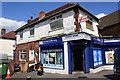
31	17
3	31
41	14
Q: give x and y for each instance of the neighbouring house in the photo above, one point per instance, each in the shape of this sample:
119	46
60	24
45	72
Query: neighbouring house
109	25
62	39
7	42
8	47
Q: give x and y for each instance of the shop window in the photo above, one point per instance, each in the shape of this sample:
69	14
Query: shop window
89	25
52	56
31	32
109	56
56	24
22	55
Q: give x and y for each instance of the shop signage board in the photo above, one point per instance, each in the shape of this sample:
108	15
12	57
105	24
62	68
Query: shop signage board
83	18
50	42
97	57
53	40
97	40
112	40
76	37
109	55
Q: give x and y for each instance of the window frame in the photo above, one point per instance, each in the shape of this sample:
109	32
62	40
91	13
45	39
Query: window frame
21	35
31	35
90	28
22	52
56	18
55	53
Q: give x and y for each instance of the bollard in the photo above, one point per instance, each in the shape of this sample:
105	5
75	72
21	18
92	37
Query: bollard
28	77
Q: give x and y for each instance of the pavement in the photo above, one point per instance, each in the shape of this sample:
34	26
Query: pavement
105	75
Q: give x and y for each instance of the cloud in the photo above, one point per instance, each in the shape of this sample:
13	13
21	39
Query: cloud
100	15
10	24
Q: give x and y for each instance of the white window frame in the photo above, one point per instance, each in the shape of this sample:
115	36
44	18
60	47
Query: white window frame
54	20
21	33
23	53
33	33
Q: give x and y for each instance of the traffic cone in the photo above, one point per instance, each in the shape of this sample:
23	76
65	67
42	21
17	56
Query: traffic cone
8	73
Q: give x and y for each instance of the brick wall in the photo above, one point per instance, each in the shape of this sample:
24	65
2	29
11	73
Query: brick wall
27	46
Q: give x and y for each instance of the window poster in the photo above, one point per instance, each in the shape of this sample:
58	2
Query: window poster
109	57
97	57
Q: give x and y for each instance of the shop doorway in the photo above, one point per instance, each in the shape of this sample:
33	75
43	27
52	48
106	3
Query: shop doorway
77	58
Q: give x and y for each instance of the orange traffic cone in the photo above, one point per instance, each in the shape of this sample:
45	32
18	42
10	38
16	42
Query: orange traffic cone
8	73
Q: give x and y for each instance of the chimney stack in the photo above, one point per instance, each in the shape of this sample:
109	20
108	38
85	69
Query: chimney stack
3	31
31	18
41	14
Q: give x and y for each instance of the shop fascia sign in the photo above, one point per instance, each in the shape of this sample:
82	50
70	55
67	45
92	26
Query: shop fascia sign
112	40
83	18
98	40
76	37
51	41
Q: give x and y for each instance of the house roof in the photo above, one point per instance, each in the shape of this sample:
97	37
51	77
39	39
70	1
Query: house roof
10	35
54	12
110	19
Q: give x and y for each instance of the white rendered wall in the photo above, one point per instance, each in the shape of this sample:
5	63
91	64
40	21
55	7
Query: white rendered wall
43	29
7	47
83	26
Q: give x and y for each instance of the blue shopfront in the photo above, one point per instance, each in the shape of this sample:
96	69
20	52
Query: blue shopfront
106	48
52	53
97	52
77	52
110	45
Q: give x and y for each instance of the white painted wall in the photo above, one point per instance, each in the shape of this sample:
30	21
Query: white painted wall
6	46
42	29
83	26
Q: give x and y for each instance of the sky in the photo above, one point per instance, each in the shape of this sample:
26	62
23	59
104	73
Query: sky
16	14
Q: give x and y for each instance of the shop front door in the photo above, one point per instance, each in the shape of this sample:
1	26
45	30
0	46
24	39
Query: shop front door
77	58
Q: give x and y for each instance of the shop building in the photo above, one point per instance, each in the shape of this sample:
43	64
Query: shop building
63	37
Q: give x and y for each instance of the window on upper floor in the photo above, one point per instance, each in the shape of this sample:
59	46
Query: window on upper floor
56	25
21	35
56	22
89	25
31	32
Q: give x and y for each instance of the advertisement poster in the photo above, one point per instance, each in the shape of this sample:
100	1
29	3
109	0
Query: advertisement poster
109	57
97	56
